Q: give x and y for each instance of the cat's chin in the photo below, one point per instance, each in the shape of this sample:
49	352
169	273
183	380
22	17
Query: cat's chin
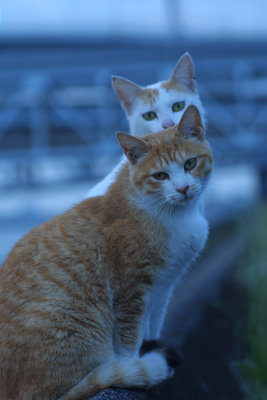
185	201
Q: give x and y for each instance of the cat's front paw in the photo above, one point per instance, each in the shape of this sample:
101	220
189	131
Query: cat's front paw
172	356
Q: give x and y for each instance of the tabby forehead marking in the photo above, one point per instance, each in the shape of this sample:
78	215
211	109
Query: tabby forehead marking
149	95
169	85
171	152
203	167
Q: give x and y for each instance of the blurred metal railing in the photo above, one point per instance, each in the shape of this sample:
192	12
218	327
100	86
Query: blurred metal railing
69	113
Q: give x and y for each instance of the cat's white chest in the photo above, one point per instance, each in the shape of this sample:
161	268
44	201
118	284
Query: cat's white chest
187	233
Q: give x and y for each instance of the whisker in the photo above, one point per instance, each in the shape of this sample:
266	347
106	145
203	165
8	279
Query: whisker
158	204
165	208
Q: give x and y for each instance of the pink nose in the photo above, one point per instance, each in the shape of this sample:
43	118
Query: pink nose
183	190
167	124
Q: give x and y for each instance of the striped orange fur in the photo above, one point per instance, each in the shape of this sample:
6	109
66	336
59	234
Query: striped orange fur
77	294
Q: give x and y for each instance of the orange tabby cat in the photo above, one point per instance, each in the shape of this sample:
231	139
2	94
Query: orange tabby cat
80	293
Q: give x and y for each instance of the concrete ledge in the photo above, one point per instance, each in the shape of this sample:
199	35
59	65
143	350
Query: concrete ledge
119	394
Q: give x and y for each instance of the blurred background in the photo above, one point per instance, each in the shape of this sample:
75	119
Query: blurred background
59	113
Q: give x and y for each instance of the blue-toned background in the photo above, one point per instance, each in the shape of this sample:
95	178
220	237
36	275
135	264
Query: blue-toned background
58	118
59	113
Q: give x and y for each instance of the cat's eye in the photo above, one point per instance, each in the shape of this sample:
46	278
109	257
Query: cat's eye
160	176
190	164
149	116
178	106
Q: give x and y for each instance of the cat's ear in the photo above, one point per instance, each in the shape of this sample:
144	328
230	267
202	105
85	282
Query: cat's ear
133	147
190	125
184	73
127	91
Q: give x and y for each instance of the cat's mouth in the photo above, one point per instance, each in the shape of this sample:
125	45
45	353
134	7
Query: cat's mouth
182	199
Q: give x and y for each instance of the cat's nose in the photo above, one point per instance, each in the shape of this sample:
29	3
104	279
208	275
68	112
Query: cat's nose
183	190
167	124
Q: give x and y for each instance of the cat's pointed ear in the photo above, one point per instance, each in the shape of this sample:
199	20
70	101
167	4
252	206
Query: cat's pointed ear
184	73
127	91
133	147
190	125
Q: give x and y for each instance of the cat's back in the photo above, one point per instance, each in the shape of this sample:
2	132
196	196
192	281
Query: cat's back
60	260
50	269
50	299
46	256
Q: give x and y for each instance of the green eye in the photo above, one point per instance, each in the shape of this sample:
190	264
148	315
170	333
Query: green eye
178	106
190	164
160	176
149	116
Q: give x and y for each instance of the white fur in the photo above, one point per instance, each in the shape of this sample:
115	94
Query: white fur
157	368
163	108
187	230
132	370
103	185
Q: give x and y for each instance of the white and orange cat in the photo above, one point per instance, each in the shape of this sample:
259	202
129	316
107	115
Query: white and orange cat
155	107
80	293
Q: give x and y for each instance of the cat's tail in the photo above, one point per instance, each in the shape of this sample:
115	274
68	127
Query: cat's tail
125	372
